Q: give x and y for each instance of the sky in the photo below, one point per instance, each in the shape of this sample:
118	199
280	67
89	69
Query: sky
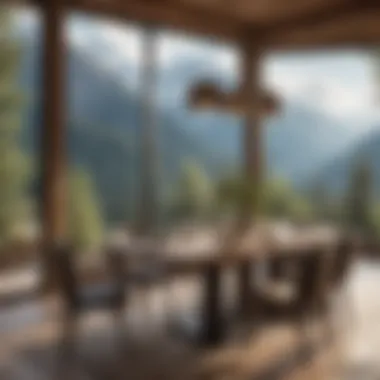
339	84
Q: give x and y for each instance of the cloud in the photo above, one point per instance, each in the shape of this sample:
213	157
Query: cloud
27	19
348	101
115	43
339	85
175	47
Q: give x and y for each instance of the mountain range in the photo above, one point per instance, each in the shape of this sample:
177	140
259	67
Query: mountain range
104	118
336	173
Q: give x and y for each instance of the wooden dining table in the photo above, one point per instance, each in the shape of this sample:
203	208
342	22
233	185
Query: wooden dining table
180	257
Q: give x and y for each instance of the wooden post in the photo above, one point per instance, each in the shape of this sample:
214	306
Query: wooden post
252	153
252	144
147	212
213	329
53	133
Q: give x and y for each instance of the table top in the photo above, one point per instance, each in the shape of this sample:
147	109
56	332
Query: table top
195	252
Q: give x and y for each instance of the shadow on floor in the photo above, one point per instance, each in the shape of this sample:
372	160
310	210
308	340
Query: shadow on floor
108	355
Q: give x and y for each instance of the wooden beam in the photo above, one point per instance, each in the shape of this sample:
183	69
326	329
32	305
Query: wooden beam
174	16
170	15
252	156
147	193
354	31
53	128
252	129
299	32
336	14
323	14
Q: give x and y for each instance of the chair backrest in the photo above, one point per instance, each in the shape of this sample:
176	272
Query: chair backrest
117	262
342	260
309	274
64	255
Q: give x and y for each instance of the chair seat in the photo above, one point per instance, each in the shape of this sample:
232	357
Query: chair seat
147	276
277	300
107	295
280	292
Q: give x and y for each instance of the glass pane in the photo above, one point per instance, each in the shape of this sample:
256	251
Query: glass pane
20	57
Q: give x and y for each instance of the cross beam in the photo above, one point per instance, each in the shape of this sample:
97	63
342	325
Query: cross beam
173	16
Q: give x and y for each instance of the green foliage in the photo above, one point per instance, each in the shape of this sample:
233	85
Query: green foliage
194	195
275	199
359	196
301	210
325	206
320	199
14	175
375	219
14	166
280	200
85	217
236	194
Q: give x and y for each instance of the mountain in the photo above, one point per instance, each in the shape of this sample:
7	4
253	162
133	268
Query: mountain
303	139
297	141
336	173
103	130
104	115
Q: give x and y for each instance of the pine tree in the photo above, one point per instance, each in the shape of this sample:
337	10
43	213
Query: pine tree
85	217
194	195
13	163
359	197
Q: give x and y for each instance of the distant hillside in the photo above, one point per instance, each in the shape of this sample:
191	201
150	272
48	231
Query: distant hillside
104	124
104	119
297	142
336	172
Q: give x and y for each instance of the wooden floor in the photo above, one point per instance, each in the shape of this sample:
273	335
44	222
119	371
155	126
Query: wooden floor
32	348
142	347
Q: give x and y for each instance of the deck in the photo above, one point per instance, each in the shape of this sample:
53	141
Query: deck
143	349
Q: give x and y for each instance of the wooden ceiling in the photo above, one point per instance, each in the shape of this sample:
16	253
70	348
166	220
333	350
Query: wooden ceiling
274	24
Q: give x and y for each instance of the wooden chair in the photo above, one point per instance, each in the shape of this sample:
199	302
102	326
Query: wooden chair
149	278
78	299
319	272
289	291
342	261
336	273
279	294
329	273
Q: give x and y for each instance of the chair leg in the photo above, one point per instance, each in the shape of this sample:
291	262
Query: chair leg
329	332
119	325
119	319
309	325
146	307
305	328
166	308
69	331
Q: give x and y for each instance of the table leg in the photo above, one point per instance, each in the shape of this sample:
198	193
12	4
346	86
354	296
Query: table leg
245	294
276	269
307	281
213	329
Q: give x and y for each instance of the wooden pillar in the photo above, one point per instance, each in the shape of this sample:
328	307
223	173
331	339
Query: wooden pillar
53	131
212	329
252	139
147	210
310	272
251	146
